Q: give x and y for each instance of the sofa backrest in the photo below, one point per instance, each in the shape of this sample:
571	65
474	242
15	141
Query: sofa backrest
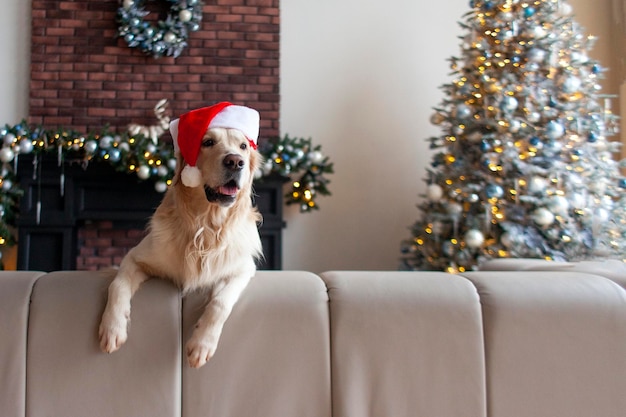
344	343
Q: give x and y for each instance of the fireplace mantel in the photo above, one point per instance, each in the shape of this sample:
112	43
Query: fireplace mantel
48	240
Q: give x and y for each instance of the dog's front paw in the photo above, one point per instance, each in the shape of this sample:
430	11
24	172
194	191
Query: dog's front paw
113	332
199	351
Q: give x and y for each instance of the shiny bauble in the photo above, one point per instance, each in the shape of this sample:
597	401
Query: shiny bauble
454	209
537	185
462	111
7	185
539	32
171	163
534	117
494	191
543	217
571	84
316	157
162	171
91	146
26	146
143	172
579	57
509	104
601	215
106	142
114	155
554	130
6	154
515	126
169	37
474	238
437	118
9	138
577	200
537	55
434	192
184	15
558	204
151	148
160	186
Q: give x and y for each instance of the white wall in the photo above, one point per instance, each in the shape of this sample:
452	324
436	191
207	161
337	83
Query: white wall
360	77
14	61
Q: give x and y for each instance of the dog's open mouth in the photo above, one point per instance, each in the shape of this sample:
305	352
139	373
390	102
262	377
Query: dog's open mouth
230	188
224	194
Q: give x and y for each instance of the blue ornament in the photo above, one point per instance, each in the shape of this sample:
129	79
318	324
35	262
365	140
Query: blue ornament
488	5
592	137
578	152
535	140
494	191
484	146
596	68
622	183
529	12
114	155
129	37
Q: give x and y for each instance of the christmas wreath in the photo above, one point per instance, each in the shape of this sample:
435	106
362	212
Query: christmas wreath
169	36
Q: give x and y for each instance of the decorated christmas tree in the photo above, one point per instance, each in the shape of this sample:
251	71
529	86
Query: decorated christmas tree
524	167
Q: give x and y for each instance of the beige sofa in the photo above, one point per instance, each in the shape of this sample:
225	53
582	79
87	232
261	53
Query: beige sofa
536	343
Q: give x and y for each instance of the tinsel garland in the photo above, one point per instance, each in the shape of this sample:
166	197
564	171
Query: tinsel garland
169	37
292	158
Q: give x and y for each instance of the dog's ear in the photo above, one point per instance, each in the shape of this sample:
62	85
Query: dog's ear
180	164
256	160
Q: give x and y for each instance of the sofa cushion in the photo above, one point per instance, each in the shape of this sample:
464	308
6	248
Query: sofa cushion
68	375
273	357
14	303
405	344
554	343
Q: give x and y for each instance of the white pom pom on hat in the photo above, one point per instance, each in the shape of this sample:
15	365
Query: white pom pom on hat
188	132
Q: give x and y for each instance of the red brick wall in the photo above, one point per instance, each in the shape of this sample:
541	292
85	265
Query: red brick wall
84	77
100	245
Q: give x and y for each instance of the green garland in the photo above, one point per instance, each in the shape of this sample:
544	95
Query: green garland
169	37
293	158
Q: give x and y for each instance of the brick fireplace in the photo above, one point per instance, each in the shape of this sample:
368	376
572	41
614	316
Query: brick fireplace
84	78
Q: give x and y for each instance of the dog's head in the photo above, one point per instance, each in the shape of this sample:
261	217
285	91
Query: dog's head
227	163
216	148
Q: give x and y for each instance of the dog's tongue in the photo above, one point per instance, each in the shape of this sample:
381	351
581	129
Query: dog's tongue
228	189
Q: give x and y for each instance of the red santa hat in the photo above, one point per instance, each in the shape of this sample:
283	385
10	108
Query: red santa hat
188	132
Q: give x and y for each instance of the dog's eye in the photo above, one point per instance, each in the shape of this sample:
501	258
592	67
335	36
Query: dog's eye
208	143
244	146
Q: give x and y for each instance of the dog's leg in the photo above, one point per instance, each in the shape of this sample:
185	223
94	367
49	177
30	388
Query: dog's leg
203	342
113	330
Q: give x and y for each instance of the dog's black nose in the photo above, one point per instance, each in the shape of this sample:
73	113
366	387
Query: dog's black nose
234	162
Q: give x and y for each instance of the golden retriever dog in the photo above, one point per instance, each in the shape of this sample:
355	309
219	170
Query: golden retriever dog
204	233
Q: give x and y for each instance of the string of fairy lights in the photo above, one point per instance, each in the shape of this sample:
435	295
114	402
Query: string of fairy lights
295	159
